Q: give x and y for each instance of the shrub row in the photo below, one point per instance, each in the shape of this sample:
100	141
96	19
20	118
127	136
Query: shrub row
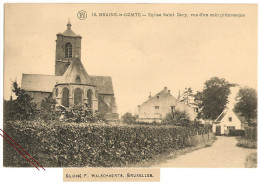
236	132
58	144
251	133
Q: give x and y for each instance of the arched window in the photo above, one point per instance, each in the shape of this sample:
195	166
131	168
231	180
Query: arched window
57	92
65	97
90	96
68	50
78	97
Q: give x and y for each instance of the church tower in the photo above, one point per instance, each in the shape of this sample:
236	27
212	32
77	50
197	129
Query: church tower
68	46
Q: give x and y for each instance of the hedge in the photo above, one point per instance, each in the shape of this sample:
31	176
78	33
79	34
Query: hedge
59	144
236	132
251	133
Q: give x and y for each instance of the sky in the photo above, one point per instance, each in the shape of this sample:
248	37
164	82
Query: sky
141	54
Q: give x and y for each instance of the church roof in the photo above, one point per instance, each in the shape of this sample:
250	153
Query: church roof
46	83
39	82
69	32
103	83
75	74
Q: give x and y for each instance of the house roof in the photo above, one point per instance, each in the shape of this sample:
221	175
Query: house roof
75	74
164	92
224	112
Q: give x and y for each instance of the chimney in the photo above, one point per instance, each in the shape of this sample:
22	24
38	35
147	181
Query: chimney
150	96
169	91
165	89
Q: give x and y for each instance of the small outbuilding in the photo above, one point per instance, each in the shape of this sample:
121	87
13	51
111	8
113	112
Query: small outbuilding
228	120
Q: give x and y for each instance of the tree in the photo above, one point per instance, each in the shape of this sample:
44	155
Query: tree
128	118
247	103
187	95
214	97
20	108
177	118
47	110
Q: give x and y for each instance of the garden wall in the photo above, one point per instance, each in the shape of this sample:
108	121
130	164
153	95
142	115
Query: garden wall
59	144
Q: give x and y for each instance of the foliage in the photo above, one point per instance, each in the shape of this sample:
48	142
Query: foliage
128	118
251	160
246	143
247	103
187	95
251	133
236	132
79	113
47	110
22	108
177	118
214	97
62	144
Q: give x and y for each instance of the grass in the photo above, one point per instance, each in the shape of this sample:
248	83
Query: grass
251	160
162	158
245	143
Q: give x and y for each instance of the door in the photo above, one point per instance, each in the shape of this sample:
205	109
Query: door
218	130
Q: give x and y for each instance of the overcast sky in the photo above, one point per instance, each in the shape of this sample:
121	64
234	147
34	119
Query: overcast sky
141	54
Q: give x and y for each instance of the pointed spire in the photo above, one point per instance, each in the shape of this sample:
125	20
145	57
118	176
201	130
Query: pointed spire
179	95
69	25
150	95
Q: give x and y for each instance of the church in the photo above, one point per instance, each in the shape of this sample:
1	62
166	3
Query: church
71	85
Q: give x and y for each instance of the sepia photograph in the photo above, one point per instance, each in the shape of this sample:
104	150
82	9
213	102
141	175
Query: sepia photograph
129	86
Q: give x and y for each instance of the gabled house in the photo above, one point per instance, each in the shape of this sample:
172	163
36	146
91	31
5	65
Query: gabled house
228	120
71	85
157	106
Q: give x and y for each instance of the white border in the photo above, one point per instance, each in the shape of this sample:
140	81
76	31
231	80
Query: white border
169	175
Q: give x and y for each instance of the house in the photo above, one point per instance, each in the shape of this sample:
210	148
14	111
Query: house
228	120
71	85
157	106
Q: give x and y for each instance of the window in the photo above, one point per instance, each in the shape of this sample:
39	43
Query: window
90	96
65	97
230	119
57	92
68	50
158	97
157	107
231	127
172	109
78	97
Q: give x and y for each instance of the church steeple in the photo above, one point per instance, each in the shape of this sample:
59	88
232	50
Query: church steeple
68	46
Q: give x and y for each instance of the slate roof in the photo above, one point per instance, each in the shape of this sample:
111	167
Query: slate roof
75	74
39	82
46	83
103	83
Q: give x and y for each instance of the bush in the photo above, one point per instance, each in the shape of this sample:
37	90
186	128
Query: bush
251	160
245	143
236	132
177	118
128	118
62	144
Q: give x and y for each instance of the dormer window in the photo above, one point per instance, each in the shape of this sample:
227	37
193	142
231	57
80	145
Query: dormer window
68	50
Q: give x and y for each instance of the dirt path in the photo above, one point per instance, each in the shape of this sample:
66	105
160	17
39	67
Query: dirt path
222	154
